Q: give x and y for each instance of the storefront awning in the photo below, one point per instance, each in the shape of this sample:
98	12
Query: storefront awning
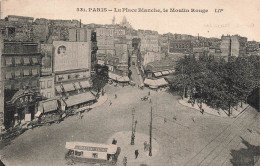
123	79
157	74
77	86
58	88
161	82
85	84
165	72
68	87
155	83
150	83
49	106
118	77
113	76
80	98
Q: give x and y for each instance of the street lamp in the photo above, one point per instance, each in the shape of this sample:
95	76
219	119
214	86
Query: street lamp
133	127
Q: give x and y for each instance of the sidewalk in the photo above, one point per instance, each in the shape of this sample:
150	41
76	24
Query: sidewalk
207	109
101	100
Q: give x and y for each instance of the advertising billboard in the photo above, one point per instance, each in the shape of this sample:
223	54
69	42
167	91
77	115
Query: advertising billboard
71	55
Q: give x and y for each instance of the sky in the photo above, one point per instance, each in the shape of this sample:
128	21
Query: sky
238	16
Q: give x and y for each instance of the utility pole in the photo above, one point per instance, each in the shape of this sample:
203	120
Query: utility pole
133	127
151	123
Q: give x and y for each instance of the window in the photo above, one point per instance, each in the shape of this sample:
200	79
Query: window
78	153
94	155
49	95
71	152
49	83
42	84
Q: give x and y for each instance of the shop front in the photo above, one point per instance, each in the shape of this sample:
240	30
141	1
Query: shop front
21	108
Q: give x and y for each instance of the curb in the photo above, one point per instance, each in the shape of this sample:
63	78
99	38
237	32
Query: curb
214	114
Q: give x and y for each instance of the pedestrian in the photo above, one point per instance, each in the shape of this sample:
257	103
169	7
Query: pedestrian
150	100
114	141
145	146
110	102
202	111
136	153
124	161
193	119
115	96
149	93
80	115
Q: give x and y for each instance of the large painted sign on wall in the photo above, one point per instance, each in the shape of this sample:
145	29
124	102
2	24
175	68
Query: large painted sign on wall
71	55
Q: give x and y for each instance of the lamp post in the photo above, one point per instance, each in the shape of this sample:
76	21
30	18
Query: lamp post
151	122
133	128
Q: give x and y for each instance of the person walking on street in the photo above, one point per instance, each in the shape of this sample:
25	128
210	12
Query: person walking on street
145	146
149	93
124	161
115	96
110	102
80	117
136	153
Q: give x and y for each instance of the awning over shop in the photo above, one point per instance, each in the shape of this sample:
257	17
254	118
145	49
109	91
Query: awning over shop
85	84
155	83
123	79
77	85
49	106
165	72
113	76
150	83
68	87
157	74
58	88
80	98
26	61
161	82
118	77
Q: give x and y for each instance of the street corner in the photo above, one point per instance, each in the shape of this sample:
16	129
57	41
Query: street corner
123	139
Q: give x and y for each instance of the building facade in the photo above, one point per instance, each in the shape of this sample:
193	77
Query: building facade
20	63
233	46
72	67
